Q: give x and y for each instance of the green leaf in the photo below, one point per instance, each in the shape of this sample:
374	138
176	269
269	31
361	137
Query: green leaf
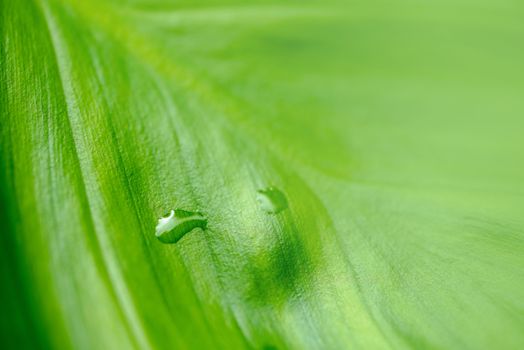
385	138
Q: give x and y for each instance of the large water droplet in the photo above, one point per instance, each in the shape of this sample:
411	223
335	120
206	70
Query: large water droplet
172	228
272	200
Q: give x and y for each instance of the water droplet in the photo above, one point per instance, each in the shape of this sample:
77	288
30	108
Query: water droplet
171	228
272	200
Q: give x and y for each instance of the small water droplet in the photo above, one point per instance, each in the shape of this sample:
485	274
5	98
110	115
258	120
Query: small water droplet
171	228
272	200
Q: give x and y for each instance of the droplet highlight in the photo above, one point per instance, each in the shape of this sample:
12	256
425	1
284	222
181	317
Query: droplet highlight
171	228
272	200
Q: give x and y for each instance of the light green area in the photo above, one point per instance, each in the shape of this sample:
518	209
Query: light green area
394	128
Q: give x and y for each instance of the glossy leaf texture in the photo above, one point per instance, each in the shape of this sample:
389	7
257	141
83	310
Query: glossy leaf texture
392	131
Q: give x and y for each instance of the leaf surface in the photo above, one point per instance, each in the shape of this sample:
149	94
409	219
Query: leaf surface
393	131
